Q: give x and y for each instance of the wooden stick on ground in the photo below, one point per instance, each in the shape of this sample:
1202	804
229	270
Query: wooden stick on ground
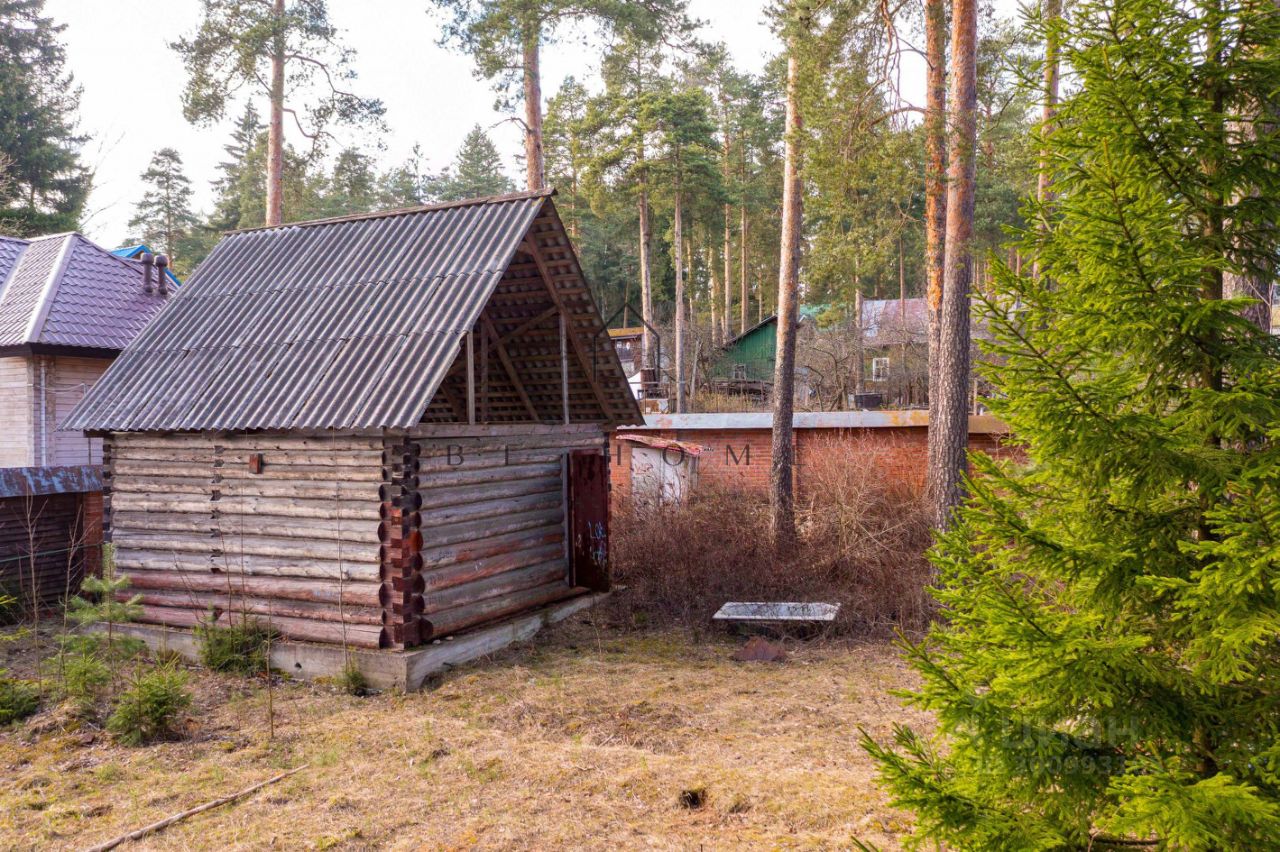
178	817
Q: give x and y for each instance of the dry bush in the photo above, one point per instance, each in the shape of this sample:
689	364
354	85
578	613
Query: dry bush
862	537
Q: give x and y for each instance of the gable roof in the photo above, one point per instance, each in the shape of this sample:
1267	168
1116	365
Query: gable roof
894	321
351	322
66	293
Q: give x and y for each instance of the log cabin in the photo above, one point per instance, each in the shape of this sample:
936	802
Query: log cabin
374	430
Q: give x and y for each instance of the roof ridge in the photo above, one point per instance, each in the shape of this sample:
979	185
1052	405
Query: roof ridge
403	211
49	289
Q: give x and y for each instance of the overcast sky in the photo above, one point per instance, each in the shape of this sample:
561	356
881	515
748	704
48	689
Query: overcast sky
132	82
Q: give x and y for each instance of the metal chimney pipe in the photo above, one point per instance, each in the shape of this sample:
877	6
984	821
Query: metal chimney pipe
162	277
147	260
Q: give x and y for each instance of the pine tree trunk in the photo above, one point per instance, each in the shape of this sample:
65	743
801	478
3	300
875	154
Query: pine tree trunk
935	188
728	248
647	355
744	296
678	260
534	175
1052	11
712	268
275	127
782	498
949	430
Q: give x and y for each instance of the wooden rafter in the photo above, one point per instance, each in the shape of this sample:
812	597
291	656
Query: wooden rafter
530	247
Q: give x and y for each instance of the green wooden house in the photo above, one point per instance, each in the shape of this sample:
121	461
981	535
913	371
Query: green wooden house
745	363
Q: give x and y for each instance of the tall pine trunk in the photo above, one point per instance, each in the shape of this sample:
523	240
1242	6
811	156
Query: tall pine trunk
935	188
728	247
1052	11
647	350
677	251
949	418
533	161
275	126
782	498
744	295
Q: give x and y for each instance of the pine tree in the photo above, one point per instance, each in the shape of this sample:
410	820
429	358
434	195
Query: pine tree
43	185
162	218
476	170
506	38
683	162
261	47
1103	675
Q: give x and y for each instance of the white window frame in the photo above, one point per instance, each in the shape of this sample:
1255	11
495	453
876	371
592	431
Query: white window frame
879	369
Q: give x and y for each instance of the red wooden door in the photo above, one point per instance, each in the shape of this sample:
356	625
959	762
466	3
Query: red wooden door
589	519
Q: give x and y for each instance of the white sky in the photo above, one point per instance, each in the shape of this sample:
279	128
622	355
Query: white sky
132	82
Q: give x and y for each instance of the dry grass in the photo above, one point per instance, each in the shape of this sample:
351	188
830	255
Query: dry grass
862	538
582	739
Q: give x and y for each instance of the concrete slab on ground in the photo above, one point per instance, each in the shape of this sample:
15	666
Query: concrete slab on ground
383	669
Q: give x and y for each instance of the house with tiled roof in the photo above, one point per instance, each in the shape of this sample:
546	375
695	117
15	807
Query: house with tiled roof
67	309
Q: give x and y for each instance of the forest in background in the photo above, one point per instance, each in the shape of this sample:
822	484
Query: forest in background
665	112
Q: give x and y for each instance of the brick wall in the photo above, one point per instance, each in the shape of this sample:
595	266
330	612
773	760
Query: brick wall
738	458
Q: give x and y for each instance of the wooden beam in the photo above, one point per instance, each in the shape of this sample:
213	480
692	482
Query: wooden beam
564	372
531	248
471	378
515	332
509	367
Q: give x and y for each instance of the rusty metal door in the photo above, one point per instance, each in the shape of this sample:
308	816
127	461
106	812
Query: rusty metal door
589	519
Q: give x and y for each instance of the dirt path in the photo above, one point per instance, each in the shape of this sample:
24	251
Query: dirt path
580	740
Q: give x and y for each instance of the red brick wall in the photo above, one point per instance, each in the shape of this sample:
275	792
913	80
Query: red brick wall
739	458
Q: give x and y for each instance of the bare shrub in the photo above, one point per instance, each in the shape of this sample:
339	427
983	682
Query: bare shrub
862	537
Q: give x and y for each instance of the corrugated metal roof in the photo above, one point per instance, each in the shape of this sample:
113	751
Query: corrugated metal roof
64	290
345	323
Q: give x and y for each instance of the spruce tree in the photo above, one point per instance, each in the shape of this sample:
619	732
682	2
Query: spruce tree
229	187
43	184
1104	672
162	218
476	171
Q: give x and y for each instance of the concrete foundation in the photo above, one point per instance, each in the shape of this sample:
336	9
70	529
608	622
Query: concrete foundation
406	670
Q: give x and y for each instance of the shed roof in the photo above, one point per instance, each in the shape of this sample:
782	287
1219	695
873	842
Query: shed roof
65	292
351	322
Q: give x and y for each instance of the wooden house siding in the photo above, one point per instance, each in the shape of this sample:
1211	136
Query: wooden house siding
69	379
16	445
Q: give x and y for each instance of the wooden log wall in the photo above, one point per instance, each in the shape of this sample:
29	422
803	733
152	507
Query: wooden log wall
204	532
491	514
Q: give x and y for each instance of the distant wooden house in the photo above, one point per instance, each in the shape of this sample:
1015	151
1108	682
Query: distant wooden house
744	365
372	431
894	337
67	309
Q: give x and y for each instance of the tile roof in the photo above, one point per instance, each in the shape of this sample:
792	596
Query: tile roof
66	291
342	323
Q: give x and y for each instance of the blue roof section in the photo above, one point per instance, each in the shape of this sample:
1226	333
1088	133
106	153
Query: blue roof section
130	252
